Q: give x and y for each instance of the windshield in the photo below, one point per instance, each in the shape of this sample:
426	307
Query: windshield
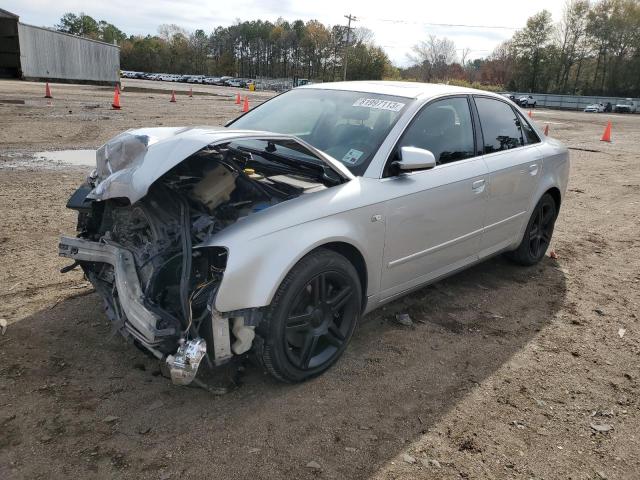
349	126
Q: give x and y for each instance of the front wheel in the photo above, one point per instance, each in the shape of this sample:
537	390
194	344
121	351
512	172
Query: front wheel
537	236
313	315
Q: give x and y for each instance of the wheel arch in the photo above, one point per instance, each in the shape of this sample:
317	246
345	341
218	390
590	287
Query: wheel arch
556	195
550	189
255	269
355	257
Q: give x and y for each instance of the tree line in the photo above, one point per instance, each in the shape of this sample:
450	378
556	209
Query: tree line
594	49
247	49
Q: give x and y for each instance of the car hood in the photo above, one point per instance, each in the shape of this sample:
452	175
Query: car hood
128	164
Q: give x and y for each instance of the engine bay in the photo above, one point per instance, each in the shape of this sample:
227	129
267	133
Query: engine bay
164	231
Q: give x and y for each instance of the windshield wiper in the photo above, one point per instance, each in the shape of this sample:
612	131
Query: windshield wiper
318	171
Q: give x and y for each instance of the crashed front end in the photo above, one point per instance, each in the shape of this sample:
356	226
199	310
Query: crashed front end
147	220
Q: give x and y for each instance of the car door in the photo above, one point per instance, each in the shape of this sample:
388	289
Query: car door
515	166
434	218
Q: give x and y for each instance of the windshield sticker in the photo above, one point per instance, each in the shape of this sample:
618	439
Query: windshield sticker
352	156
379	104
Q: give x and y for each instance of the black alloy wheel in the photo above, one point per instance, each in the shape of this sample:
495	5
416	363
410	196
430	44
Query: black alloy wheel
537	236
316	326
312	317
541	229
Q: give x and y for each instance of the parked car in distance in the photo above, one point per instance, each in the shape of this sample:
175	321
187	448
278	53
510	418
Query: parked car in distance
220	81
251	240
233	82
527	101
595	108
626	106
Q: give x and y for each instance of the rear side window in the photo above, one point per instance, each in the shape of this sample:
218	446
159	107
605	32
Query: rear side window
500	125
444	128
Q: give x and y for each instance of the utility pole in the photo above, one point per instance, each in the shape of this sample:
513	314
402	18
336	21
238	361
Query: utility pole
346	47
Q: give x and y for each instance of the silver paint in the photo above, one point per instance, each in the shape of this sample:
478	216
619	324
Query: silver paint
411	229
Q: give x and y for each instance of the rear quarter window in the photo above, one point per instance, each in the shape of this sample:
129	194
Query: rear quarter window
530	135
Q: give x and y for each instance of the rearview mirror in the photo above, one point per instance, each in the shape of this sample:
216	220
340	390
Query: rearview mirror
414	158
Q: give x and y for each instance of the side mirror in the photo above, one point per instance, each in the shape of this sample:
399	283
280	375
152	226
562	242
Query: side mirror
413	158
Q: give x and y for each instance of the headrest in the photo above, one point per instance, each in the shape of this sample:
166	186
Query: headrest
441	118
383	121
356	113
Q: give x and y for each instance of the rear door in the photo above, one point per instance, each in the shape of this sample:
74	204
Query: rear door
515	166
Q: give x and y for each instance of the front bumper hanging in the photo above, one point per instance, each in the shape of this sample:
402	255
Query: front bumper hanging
141	323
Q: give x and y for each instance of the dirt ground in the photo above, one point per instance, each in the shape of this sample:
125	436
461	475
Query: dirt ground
508	372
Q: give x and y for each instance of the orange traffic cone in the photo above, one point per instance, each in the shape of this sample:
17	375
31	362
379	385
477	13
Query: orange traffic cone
116	99
606	136
546	130
47	91
190	92
245	105
530	114
237	99
173	97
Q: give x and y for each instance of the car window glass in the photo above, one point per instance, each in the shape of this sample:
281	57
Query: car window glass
349	126
298	118
500	125
529	133
444	128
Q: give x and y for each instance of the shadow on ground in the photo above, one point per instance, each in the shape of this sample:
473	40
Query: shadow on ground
78	402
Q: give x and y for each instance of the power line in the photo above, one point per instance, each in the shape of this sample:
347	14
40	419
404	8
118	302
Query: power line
454	25
407	45
346	47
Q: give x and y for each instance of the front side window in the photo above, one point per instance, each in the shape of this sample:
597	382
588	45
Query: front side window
444	128
500	125
349	126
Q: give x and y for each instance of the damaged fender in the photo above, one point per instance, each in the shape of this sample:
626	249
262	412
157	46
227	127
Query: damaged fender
263	251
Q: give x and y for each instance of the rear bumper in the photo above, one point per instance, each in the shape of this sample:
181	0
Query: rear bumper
140	322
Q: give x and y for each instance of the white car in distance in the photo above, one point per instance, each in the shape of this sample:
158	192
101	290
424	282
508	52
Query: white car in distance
595	108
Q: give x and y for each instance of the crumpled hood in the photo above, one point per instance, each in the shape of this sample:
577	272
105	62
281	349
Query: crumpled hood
128	164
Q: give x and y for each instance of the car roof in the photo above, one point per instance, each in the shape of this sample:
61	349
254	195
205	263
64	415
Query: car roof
398	89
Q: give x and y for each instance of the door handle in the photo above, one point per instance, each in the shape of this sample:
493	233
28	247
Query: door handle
478	185
533	169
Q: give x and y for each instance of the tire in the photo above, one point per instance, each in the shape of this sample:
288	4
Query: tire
311	319
536	240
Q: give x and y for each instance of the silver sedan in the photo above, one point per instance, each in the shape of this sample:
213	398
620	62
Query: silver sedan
275	235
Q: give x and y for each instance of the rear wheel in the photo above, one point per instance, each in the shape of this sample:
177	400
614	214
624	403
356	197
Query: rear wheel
537	236
311	319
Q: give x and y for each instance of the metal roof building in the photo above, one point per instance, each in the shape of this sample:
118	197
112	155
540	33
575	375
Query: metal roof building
37	53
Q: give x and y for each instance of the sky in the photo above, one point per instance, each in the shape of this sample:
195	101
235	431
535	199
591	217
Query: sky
397	25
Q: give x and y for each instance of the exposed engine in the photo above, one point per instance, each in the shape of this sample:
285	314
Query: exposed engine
191	203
